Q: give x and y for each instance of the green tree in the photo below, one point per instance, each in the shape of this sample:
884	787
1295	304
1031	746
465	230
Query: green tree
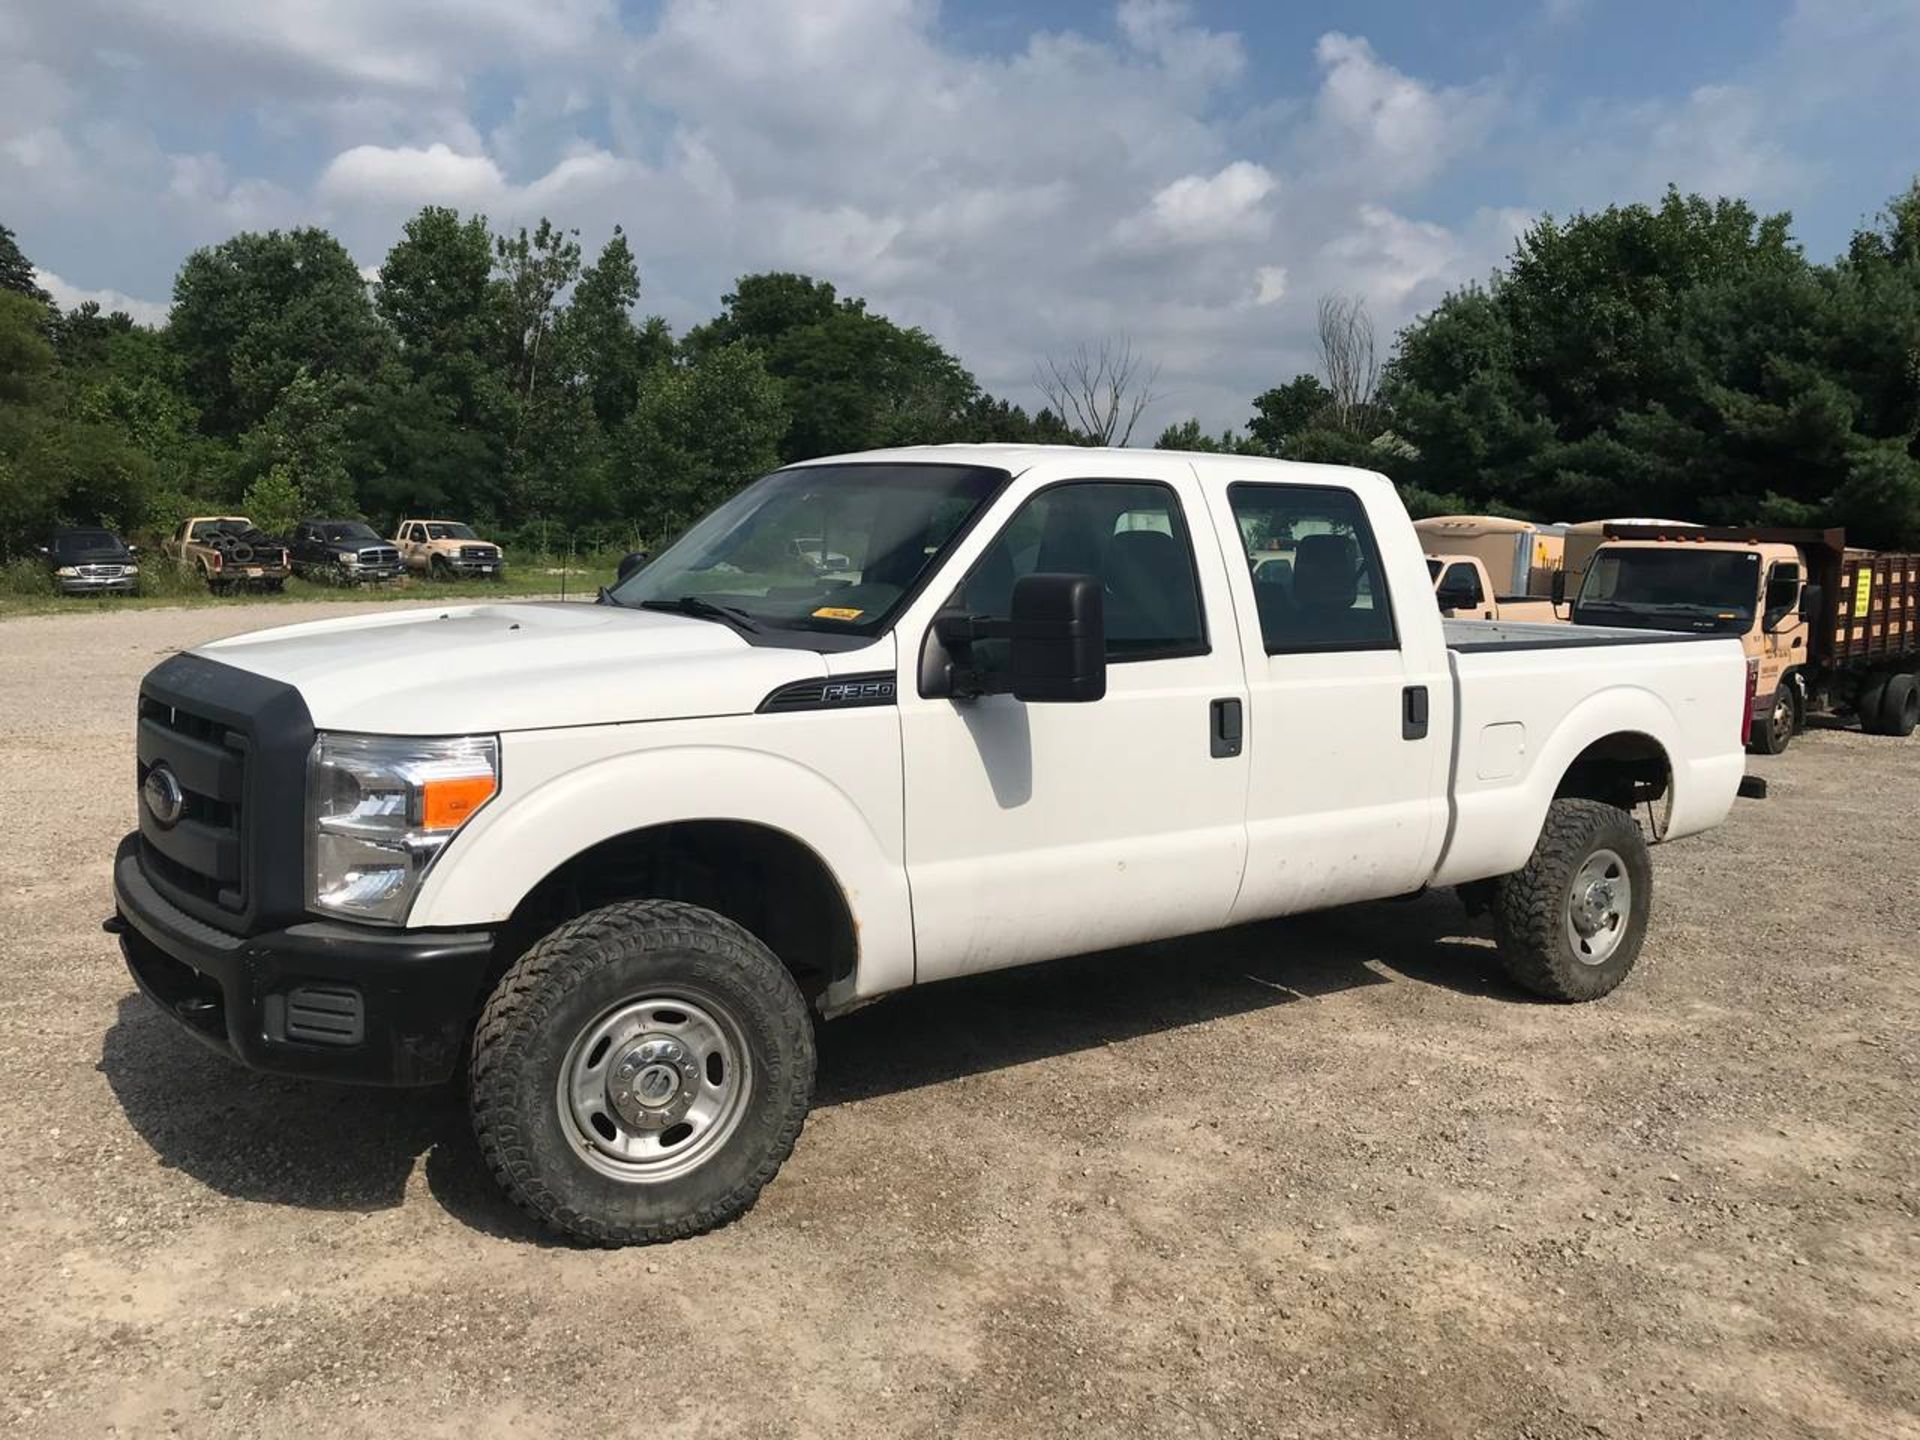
16	271
1187	435
603	351
854	380
697	433
251	313
1280	412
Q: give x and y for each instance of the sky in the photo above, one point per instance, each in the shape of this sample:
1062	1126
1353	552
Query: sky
1016	179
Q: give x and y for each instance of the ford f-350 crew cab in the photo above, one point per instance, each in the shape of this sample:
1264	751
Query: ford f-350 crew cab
999	705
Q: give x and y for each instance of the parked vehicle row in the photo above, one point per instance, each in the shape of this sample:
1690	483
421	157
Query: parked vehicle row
231	553
877	721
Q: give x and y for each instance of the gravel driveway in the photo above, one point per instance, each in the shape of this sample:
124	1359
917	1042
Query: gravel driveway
1323	1177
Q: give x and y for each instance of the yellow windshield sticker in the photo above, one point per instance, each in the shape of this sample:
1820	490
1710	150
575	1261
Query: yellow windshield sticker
837	612
1862	592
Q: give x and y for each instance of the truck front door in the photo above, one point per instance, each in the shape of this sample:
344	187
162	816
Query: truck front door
1350	702
1036	830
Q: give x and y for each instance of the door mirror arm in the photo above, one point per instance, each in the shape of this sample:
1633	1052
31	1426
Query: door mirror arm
956	630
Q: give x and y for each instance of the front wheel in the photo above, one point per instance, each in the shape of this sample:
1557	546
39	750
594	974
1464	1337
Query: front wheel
1776	732
1572	920
641	1073
439	569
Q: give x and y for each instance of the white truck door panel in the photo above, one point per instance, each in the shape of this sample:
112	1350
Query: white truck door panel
1346	796
1038	830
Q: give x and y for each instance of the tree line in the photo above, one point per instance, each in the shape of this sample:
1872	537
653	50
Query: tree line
1684	359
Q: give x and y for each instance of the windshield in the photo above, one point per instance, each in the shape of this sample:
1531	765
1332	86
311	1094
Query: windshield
825	548
450	530
1671	587
86	542
348	530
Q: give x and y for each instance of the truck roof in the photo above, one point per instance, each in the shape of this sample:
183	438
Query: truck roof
1211	467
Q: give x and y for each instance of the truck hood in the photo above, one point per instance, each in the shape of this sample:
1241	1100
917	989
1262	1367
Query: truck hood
468	669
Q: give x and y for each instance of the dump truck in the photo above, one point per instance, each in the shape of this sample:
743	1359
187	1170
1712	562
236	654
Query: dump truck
1826	627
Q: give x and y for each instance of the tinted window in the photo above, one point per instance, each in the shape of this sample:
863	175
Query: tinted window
1462	581
348	531
1131	536
1317	578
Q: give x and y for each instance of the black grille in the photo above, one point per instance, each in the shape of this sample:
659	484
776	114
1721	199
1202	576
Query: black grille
236	744
380	557
476	552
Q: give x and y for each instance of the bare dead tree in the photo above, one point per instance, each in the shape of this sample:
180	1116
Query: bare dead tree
1100	391
1348	362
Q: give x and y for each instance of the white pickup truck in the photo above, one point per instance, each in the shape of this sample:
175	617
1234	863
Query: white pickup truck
997	705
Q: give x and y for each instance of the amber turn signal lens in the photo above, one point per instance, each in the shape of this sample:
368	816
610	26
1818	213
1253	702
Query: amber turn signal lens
446	804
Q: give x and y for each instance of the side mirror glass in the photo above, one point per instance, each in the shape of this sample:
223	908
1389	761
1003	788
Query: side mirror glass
1058	639
1559	587
1455	599
1810	602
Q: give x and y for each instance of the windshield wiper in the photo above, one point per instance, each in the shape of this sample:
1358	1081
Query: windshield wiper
704	609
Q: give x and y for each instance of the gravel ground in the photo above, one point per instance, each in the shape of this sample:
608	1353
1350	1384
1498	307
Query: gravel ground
1325	1177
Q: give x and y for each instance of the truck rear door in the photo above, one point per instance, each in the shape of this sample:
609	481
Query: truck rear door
1350	714
1036	830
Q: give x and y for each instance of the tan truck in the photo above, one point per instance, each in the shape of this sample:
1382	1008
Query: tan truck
229	552
448	550
1520	557
1464	591
1825	627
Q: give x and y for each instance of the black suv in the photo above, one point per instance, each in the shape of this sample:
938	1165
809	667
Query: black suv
345	552
89	560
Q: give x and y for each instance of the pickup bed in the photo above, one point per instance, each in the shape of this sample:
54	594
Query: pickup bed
877	721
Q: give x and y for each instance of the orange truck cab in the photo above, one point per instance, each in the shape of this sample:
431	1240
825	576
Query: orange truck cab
1825	627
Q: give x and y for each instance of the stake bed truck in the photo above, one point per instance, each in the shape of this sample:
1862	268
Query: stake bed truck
876	721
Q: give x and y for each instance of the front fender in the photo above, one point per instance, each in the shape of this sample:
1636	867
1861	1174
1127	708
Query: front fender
556	803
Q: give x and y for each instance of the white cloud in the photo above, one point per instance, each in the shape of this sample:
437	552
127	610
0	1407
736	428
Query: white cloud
436	175
1384	130
1204	209
71	297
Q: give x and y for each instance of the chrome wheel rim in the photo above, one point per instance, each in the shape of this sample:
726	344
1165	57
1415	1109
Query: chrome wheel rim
1599	904
1782	720
654	1087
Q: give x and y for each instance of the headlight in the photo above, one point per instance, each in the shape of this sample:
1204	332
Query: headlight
132	570
380	808
348	557
68	572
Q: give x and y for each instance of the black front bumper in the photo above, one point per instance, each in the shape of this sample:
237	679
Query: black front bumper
322	998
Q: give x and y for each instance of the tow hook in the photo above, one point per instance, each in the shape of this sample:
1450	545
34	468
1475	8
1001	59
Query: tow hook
1753	787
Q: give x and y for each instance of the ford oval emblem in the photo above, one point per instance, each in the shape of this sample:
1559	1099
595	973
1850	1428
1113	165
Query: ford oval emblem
166	801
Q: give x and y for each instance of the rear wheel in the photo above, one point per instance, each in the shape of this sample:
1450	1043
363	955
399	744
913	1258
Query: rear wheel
1868	703
1776	732
1571	921
641	1073
1900	707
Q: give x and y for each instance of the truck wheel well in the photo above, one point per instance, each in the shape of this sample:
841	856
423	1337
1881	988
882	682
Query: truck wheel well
1625	770
761	878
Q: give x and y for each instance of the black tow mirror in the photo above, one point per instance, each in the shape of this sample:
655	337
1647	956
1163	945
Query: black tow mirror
1055	639
1456	600
1811	597
1059	638
1559	587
